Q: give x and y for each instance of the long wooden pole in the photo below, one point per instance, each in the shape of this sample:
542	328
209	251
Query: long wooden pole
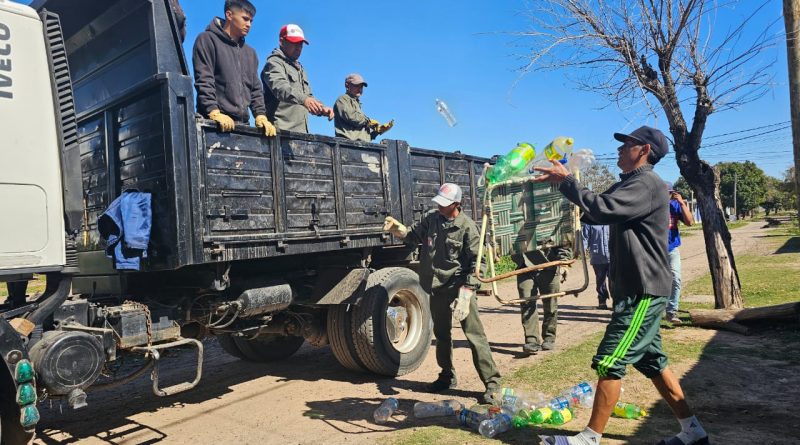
791	17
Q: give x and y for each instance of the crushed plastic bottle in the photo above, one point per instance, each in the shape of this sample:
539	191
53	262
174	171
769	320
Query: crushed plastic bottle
512	163
437	409
513	400
561	416
581	394
540	415
497	425
628	411
385	410
472	417
444	110
581	159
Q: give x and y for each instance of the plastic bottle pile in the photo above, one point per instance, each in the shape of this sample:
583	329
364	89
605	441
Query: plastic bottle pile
512	408
521	161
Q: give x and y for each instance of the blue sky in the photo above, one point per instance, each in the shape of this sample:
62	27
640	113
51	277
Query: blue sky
412	52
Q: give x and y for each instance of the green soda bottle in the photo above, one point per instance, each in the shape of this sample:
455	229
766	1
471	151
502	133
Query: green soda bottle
521	419
541	415
561	416
628	411
512	163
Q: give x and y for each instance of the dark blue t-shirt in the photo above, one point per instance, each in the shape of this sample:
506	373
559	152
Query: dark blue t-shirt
674	216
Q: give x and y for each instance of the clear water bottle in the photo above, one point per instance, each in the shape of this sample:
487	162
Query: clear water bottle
581	159
444	110
561	402
437	409
385	410
581	394
497	425
628	411
472	417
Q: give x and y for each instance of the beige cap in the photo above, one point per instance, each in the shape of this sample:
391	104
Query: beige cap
355	79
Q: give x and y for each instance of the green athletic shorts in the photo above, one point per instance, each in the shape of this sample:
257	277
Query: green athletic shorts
633	337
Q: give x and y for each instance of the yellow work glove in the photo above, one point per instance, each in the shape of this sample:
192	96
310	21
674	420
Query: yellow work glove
385	127
263	122
373	125
395	227
225	122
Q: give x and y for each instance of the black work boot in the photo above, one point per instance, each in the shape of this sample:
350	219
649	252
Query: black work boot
443	383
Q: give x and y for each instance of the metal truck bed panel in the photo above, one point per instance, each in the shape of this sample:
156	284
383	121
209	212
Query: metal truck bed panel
221	197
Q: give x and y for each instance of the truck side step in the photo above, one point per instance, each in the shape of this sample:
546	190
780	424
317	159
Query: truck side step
153	351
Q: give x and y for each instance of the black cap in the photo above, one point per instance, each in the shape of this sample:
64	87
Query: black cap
648	135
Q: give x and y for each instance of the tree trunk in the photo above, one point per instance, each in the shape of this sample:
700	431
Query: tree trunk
791	17
724	276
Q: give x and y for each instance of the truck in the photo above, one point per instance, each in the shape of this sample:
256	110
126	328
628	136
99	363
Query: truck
264	243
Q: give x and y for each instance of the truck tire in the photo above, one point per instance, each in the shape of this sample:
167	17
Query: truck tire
268	348
341	339
229	346
386	344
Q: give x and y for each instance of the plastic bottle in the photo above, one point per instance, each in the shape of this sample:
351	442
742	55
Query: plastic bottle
561	402
561	416
497	425
435	409
385	410
581	159
442	108
512	163
518	400
540	415
521	419
628	411
472	417
559	148
581	394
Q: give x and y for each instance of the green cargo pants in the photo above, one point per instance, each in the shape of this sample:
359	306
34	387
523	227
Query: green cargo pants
473	328
633	337
531	285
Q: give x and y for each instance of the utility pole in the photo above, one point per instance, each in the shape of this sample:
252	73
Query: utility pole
791	18
735	182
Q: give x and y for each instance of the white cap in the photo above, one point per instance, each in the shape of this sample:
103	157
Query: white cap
448	193
293	33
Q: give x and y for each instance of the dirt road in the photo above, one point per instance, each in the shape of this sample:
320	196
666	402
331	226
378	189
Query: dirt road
310	398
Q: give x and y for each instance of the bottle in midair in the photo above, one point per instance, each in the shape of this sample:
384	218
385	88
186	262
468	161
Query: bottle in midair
444	110
512	163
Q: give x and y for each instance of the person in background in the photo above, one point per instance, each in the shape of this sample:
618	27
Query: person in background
595	242
226	71
637	211
678	212
288	94
449	242
348	119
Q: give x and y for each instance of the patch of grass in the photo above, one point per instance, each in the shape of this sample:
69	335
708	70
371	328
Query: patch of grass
765	278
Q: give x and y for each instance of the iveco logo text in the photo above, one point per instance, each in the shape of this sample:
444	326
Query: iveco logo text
5	63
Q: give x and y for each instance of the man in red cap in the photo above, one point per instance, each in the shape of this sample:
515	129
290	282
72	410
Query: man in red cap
288	94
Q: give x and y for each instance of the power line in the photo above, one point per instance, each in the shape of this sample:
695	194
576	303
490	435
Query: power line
748	130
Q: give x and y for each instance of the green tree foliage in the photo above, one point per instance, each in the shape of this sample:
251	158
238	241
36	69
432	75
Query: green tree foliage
774	196
682	187
789	190
750	182
597	177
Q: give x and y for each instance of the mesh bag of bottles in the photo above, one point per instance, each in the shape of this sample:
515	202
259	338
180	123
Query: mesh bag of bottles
527	216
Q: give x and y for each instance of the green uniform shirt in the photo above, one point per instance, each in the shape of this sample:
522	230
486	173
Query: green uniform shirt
449	250
286	88
349	120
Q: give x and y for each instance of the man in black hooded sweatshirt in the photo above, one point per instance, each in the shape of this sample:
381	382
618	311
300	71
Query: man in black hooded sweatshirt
226	70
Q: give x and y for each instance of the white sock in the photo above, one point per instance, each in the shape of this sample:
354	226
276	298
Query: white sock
585	437
691	430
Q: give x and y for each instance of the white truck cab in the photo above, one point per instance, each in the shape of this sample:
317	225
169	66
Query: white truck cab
31	195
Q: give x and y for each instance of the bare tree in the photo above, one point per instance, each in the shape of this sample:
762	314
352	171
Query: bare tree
660	56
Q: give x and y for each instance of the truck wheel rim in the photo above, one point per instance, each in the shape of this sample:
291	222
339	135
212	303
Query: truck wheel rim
404	321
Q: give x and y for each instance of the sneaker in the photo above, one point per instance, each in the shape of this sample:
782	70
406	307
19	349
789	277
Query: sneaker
676	441
548	345
442	384
531	348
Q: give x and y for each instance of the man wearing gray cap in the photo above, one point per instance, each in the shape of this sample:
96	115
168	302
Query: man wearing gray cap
350	122
449	242
637	212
